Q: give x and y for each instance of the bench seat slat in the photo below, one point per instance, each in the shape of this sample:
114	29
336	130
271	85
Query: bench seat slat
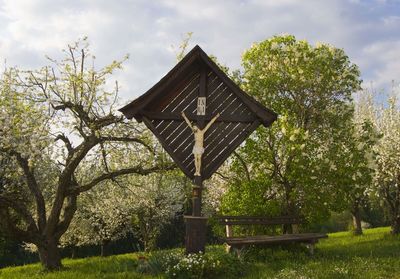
303	237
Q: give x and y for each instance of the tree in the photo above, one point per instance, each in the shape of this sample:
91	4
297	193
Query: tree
57	125
160	200
310	88
387	174
102	216
139	205
358	155
357	167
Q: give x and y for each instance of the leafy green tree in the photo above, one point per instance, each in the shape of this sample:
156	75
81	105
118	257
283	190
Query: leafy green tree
296	161
57	125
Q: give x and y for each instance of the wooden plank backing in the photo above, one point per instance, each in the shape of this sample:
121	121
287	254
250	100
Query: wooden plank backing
162	114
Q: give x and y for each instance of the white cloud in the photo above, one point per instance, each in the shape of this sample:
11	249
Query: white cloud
147	29
384	64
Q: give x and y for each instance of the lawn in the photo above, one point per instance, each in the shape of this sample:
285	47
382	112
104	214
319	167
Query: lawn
376	254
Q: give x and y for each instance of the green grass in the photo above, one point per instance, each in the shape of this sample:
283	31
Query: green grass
121	266
376	254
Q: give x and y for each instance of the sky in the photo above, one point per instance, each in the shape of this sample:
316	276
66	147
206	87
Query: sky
151	32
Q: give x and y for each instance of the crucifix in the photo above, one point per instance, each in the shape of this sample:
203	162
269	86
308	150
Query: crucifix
198	148
181	96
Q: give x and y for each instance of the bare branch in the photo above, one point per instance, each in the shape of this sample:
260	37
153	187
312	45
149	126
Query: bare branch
69	211
224	177
22	211
104	155
128	139
34	188
244	165
77	109
71	51
64	182
11	227
134	170
66	140
82	71
106	121
114	102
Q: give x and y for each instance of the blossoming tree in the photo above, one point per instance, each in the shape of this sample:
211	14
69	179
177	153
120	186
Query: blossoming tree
387	174
136	204
102	216
57	126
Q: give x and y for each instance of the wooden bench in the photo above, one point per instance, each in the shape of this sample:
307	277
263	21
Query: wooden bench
310	239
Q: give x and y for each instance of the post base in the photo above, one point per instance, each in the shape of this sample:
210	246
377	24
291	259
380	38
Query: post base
196	229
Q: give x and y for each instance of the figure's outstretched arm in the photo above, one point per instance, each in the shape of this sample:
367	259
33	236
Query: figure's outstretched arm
211	122
187	120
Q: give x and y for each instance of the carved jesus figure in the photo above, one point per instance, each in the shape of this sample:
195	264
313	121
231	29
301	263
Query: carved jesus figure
198	148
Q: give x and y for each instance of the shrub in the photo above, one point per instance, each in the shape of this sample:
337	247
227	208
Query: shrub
158	262
175	264
209	265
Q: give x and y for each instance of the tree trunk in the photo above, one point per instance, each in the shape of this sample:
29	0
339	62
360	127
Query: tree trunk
396	225
357	220
73	252
146	243
290	209
104	248
144	233
49	254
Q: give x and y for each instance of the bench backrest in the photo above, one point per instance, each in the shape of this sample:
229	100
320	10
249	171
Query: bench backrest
229	221
261	220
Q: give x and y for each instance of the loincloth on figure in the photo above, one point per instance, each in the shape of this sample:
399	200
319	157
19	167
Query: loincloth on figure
198	150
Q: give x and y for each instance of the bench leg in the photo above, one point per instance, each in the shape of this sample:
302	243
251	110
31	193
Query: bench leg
311	247
236	250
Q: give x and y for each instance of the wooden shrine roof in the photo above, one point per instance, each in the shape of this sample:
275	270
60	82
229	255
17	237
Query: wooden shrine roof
196	75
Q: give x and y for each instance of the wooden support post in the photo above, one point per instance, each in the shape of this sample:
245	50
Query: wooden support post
196	225
195	240
196	196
